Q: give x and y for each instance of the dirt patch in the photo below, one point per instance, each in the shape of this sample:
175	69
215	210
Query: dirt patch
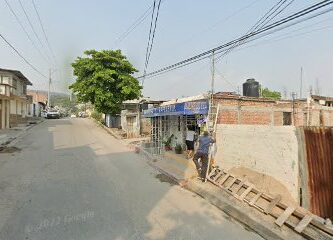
165	178
265	183
9	149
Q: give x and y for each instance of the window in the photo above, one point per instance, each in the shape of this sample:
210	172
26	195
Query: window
287	118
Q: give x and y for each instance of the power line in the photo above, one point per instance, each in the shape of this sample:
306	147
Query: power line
45	35
24	30
263	21
276	26
21	56
135	24
32	27
152	39
151	35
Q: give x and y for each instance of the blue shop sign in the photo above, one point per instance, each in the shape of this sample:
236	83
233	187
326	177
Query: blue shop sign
187	108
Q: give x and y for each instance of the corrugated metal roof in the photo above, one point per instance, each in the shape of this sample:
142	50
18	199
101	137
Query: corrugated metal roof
319	150
186	99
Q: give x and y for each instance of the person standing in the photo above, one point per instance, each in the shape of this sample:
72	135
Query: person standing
202	153
190	134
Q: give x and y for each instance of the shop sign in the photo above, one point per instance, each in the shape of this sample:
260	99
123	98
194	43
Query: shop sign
187	108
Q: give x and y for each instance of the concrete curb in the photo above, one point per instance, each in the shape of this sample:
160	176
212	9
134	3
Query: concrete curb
107	129
20	135
262	224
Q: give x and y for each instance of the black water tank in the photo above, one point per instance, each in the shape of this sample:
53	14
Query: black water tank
251	88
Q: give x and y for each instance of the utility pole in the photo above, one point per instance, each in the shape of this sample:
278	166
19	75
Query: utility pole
301	86
213	74
48	92
293	96
317	90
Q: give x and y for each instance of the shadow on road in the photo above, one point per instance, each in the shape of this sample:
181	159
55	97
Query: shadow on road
80	183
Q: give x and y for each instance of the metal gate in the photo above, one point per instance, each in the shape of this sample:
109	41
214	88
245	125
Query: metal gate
319	150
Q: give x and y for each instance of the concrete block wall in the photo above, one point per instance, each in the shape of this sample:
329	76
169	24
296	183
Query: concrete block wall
268	150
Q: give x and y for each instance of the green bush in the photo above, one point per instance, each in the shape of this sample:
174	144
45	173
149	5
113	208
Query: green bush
97	115
179	149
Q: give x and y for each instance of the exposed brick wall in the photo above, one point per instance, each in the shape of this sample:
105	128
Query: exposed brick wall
228	117
254	111
278	118
256	118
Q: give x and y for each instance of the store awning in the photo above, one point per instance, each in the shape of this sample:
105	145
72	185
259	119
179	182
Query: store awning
185	108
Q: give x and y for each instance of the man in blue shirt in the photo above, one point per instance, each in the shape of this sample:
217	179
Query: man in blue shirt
202	154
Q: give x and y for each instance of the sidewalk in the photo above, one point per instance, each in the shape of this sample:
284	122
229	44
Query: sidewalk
183	172
10	134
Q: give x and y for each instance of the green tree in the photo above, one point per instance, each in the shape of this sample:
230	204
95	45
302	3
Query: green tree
105	79
266	93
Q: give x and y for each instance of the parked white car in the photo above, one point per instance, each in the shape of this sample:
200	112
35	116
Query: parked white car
53	113
43	114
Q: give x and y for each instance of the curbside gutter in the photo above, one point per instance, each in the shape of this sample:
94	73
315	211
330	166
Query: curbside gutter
12	140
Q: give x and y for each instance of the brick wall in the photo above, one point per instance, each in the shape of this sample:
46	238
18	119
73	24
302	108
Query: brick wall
255	117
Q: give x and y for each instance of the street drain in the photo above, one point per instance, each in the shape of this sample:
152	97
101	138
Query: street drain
165	178
9	149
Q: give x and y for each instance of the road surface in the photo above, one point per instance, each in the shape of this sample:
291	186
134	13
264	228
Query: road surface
68	179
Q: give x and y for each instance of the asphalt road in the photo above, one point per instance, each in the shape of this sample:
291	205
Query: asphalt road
69	180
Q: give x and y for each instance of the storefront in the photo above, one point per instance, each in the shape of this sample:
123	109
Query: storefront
172	121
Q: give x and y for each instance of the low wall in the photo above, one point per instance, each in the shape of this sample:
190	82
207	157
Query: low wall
270	152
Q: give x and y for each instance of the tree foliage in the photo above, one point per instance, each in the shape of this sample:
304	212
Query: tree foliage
105	79
266	93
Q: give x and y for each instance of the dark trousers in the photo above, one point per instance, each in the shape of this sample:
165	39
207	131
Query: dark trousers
204	163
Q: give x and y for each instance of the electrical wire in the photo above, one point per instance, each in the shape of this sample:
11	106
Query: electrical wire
263	21
25	31
44	32
134	25
31	25
151	36
21	56
276	26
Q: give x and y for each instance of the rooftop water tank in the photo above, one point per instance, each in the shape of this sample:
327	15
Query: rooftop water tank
251	88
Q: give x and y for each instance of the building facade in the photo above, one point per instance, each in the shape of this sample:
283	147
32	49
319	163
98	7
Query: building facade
236	109
131	117
39	102
14	103
173	118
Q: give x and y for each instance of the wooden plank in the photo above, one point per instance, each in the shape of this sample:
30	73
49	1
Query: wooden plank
216	177
272	204
303	223
213	174
231	183
284	216
245	193
240	185
255	199
223	179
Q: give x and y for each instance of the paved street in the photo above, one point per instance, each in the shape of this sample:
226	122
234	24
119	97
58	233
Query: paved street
69	179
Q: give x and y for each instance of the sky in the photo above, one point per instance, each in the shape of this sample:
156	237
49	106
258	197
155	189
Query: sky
184	28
